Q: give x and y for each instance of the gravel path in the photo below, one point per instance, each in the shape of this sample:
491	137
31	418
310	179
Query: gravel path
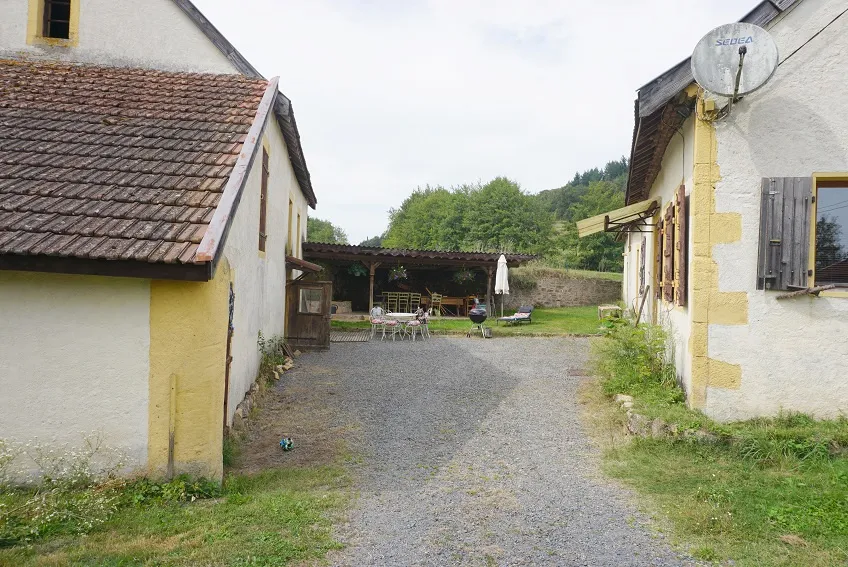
473	453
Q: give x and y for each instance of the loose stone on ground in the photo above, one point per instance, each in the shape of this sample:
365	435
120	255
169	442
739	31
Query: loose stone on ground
472	452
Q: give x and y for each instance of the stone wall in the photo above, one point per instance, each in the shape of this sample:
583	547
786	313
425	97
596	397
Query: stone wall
562	291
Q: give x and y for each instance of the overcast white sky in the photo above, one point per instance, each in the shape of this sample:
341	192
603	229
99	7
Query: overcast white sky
390	95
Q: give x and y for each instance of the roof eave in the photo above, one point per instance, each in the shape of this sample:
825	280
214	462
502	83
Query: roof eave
664	88
283	112
101	267
212	244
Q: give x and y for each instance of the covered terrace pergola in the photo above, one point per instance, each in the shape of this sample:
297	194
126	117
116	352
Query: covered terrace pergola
427	262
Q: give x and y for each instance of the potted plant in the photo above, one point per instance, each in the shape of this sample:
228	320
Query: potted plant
463	275
397	273
357	270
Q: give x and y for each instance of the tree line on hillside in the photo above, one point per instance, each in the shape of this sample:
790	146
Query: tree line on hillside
499	216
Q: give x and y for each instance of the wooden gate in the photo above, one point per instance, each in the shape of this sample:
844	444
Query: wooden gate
308	314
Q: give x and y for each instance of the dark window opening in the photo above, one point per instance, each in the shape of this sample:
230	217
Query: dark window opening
57	19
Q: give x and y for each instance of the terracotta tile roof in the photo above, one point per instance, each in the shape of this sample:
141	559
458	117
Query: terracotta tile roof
116	163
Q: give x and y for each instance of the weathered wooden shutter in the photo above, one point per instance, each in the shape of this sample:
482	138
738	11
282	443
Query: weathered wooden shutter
668	255
681	245
658	265
784	250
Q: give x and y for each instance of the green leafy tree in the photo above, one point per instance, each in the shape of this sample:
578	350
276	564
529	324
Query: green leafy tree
500	216
496	216
318	230
374	241
828	242
430	218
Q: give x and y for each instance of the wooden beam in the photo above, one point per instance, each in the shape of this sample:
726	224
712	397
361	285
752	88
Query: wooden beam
115	268
808	291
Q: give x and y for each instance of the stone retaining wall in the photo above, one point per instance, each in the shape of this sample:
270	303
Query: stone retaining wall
563	291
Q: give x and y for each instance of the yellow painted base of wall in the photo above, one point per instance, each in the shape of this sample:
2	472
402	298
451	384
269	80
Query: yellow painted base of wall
188	340
709	305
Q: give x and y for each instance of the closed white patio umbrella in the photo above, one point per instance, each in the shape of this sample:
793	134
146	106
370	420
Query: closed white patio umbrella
502	280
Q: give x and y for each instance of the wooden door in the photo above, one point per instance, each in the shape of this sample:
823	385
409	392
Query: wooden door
308	314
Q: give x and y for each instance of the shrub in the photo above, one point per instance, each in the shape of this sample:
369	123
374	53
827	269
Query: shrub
635	360
273	354
181	489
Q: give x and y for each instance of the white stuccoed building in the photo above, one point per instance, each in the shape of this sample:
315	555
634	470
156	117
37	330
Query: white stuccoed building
150	218
728	209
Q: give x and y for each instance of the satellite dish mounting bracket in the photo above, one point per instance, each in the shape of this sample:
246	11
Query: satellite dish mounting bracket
742	51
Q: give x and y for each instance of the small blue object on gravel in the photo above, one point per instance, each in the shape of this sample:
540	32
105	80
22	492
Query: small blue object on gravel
286	444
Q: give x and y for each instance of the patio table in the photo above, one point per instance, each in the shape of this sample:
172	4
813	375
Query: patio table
402	319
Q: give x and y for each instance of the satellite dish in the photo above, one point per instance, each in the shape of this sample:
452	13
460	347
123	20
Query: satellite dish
734	59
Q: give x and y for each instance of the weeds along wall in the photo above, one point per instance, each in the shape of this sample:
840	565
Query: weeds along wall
557	288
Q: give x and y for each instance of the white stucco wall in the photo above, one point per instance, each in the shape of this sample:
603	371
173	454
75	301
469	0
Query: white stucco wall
676	168
74	354
259	279
154	34
793	353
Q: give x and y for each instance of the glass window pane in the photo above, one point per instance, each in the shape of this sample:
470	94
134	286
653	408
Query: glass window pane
832	236
60	11
59	30
310	300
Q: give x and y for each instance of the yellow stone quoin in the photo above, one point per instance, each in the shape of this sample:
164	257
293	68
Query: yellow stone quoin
709	305
188	342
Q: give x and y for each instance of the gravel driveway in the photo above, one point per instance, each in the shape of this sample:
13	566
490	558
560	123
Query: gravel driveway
472	452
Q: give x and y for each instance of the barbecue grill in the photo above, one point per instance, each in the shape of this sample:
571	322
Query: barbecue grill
478	317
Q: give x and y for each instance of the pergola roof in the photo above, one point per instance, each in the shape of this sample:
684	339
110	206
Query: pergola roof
368	254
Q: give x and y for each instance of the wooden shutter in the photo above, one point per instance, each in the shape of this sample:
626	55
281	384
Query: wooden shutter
784	247
658	264
681	245
668	254
643	257
263	202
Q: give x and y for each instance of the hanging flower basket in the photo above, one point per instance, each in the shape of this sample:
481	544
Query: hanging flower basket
397	273
357	270
463	276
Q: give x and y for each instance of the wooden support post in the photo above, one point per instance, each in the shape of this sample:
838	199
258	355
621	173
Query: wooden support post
371	268
489	287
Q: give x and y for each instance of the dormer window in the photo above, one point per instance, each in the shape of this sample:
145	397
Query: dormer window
57	19
53	23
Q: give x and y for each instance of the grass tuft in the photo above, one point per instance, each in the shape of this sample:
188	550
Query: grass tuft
763	492
277	517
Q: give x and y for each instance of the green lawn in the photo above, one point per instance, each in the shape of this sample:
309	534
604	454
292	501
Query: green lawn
727	507
613	276
769	492
277	517
546	322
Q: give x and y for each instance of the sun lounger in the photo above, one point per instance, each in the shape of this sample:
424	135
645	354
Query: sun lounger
523	315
